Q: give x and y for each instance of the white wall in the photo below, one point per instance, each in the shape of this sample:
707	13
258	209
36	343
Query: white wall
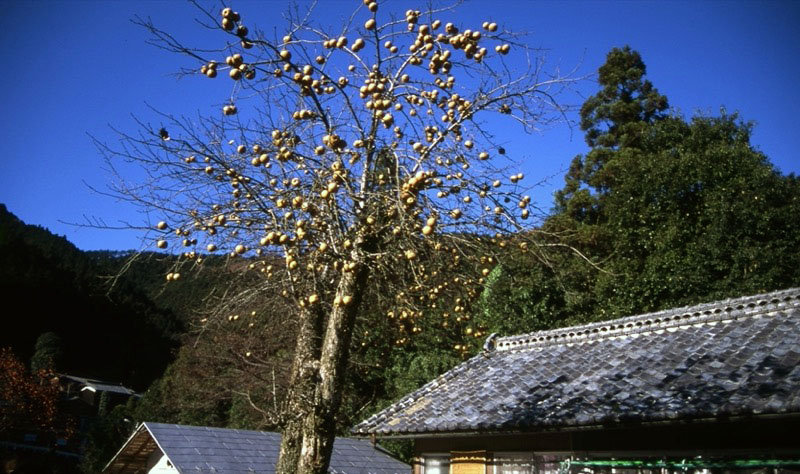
159	464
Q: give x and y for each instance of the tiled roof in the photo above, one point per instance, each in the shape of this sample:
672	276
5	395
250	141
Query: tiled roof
99	385
197	449
728	358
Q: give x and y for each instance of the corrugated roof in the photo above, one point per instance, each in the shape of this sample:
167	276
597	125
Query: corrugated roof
197	449
728	358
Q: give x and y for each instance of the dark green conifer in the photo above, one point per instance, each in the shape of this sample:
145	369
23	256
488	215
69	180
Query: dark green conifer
614	119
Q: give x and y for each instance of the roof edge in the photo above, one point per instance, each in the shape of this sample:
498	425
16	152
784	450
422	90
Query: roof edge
147	424
579	428
713	312
139	429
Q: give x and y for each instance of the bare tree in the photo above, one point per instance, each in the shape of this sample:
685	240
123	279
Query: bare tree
361	155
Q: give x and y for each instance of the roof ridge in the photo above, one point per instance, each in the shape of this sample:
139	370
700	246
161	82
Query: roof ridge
722	310
155	424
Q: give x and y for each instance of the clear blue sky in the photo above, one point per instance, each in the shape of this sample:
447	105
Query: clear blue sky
73	68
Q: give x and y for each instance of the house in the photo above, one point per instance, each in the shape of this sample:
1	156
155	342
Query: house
91	391
80	403
157	448
85	400
709	386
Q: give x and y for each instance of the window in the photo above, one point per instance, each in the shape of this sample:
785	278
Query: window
526	463
436	464
548	463
512	463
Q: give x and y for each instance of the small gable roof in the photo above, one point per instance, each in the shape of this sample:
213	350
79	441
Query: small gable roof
737	357
198	449
98	385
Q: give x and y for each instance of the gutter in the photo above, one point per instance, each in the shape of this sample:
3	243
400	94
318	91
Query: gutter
566	429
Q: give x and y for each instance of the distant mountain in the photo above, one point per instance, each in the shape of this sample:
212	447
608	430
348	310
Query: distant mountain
47	284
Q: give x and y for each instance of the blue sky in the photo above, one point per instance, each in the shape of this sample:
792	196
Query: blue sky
75	67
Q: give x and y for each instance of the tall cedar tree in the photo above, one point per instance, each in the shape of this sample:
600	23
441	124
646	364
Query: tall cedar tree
614	118
674	212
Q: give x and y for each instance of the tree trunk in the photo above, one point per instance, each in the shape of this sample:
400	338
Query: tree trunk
319	430
310	430
299	399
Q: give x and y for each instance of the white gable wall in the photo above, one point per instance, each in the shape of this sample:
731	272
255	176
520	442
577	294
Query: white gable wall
159	464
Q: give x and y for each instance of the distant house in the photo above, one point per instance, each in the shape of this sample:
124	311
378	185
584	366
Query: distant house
709	386
86	398
162	448
81	401
91	390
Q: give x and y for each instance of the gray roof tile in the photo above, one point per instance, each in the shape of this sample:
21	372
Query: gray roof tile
194	449
731	357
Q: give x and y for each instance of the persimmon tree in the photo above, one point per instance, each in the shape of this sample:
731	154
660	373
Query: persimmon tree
344	157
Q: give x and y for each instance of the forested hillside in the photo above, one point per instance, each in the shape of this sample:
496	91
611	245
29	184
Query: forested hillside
110	332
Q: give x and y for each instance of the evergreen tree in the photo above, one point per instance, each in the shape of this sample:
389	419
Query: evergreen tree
617	115
672	212
48	353
615	118
698	214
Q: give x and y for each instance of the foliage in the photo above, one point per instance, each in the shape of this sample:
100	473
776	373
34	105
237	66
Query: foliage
106	435
181	301
699	214
249	356
47	353
55	279
673	212
511	305
614	118
29	402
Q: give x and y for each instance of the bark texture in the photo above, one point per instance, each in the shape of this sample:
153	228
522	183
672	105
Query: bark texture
299	399
317	382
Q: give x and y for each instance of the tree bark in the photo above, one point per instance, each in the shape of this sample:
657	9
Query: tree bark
317	380
319	429
299	399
